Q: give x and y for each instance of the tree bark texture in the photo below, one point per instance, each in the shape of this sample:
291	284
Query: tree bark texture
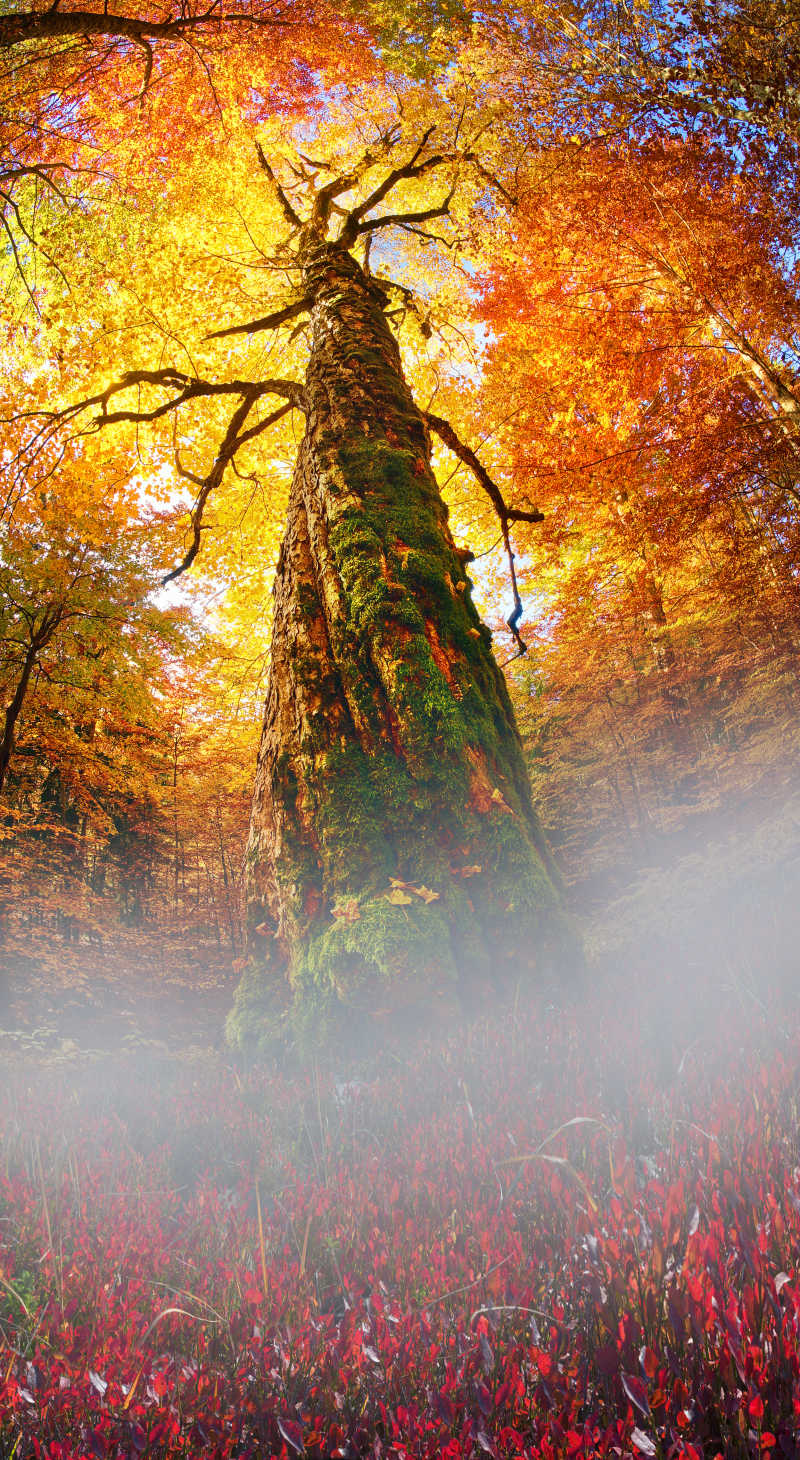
394	852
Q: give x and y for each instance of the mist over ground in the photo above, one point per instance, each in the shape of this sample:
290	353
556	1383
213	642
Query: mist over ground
567	1226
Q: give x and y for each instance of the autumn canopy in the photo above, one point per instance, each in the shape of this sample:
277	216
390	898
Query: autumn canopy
430	375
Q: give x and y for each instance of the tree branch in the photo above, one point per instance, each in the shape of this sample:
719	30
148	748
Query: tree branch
269	322
356	221
326	196
188	388
411	169
53	24
423	216
234	437
447	434
39	639
148	68
506	514
292	218
490	179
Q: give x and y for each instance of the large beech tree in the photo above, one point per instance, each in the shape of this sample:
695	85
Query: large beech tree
394	850
394	853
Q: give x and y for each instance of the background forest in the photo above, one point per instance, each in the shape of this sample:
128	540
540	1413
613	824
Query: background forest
608	315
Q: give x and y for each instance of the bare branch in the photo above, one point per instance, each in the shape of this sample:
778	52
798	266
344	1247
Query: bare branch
356	221
505	513
401	219
490	179
450	243
185	387
411	169
188	387
234	437
288	211
148	69
447	434
327	195
268	421
269	322
8	201
317	164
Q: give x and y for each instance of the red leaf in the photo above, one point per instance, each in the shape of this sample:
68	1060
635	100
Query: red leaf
292	1434
755	1409
637	1394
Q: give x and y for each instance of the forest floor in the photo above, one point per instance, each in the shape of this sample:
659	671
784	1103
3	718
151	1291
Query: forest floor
125	998
566	1230
569	1228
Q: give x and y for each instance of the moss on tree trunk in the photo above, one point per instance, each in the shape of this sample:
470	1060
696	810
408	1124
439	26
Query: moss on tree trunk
394	853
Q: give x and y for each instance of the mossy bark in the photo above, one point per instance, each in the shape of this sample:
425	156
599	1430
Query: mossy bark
389	752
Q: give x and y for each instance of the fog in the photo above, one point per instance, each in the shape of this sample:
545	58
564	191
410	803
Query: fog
464	1223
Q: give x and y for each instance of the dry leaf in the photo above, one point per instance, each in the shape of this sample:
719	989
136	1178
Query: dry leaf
500	800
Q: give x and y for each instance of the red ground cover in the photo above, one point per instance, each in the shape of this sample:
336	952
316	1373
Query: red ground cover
564	1234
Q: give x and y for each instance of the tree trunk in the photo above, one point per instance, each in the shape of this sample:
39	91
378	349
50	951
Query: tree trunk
13	710
39	639
394	853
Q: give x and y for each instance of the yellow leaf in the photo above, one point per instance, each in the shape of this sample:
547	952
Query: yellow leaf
426	894
397	896
499	799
